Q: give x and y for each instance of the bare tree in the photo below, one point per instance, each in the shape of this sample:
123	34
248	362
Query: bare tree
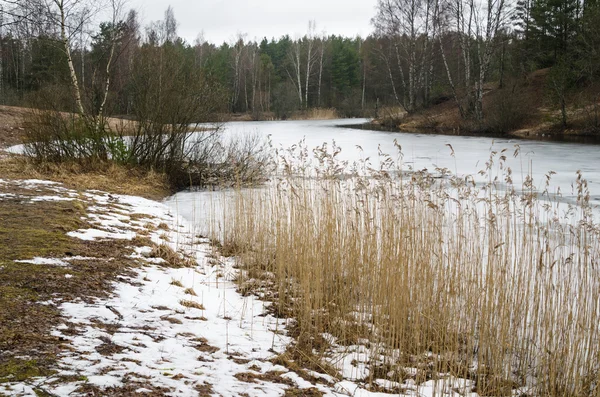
170	25
115	32
408	26
386	57
310	56
199	44
253	69
322	43
1	51
16	11
69	16
294	56
477	26
237	64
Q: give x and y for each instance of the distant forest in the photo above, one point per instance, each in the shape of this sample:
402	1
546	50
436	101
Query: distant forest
421	53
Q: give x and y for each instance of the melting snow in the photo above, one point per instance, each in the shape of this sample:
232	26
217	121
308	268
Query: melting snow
147	333
43	261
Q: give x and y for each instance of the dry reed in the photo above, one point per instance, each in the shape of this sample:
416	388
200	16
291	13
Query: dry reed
432	272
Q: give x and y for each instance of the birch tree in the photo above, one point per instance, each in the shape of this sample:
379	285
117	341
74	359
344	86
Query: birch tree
322	43
296	75
477	26
310	57
236	63
408	25
68	16
115	34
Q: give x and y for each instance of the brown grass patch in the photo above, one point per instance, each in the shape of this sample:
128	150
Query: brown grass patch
171	258
315	114
172	320
297	392
301	362
109	348
269	377
191	304
201	344
129	390
12	130
107	177
204	390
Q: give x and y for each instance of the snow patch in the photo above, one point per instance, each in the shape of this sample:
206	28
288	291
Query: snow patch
43	261
94	234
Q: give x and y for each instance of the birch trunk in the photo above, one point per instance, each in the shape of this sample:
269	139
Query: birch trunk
298	73
321	71
297	78
67	48
308	66
100	117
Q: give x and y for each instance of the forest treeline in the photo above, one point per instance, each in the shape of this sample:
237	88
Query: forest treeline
421	53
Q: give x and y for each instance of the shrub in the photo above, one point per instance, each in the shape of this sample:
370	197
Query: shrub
507	111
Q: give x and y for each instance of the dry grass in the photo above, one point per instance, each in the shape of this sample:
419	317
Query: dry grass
176	283
191	304
12	130
171	257
270	377
107	177
315	114
436	274
522	108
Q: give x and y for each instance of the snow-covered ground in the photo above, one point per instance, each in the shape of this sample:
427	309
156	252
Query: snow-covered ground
176	331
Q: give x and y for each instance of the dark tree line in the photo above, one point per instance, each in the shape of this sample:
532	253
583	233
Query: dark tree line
422	52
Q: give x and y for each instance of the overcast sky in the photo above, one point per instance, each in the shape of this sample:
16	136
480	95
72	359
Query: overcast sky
222	20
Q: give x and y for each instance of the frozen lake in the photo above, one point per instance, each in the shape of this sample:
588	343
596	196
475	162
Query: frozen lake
420	151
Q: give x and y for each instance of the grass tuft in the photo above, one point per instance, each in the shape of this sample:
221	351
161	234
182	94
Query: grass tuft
171	258
190	291
176	283
191	304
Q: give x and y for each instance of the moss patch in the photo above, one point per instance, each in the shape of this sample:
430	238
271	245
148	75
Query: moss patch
17	370
37	229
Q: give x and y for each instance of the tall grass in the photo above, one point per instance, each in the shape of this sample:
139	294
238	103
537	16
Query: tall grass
315	114
429	271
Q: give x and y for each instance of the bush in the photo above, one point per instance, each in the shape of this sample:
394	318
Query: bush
391	116
506	112
56	137
188	158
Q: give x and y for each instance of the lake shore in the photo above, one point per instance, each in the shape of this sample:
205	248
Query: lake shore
539	134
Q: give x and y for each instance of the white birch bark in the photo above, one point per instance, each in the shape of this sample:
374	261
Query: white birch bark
66	44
